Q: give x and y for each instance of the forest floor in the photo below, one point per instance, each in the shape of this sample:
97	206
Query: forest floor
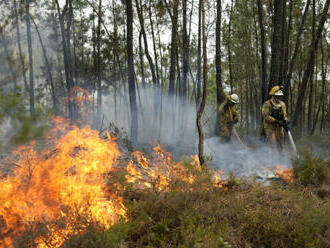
238	211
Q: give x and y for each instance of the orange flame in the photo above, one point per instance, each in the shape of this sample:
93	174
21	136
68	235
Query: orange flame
63	186
162	170
65	183
284	173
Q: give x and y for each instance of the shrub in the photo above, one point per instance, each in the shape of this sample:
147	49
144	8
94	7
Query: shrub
309	170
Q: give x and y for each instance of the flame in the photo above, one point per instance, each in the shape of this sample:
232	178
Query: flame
161	170
63	184
284	173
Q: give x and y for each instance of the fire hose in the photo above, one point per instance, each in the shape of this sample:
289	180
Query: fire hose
285	126
239	139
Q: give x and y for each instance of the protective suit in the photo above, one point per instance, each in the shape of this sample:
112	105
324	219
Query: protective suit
275	119
229	116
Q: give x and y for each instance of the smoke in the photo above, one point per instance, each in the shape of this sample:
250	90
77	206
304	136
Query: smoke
161	118
7	131
173	124
258	161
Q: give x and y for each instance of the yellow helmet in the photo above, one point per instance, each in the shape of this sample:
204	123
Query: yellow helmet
276	90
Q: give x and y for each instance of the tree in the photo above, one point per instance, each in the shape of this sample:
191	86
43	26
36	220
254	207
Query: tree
220	93
185	48
295	52
199	54
310	65
275	77
130	71
31	75
263	54
174	46
18	36
203	103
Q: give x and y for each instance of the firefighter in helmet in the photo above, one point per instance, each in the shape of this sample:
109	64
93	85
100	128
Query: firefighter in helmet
275	119
229	116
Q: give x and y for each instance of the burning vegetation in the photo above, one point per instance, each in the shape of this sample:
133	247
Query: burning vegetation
61	184
75	190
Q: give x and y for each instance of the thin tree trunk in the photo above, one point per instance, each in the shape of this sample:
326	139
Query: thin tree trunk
49	71
69	85
199	54
202	106
146	49
286	48
10	66
296	49
154	42
324	68
174	46
310	64
185	48
220	93
275	77
263	54
99	70
130	72
18	34
31	76
141	61
229	49
310	96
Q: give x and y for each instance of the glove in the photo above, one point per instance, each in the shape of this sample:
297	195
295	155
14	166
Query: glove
284	124
234	122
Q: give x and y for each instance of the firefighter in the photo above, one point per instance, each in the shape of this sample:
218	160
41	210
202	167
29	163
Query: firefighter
275	119
229	116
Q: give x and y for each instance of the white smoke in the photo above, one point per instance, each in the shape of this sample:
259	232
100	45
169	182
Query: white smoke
7	131
174	126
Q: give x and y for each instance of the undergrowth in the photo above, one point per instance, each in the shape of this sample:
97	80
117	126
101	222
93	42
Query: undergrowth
239	214
248	214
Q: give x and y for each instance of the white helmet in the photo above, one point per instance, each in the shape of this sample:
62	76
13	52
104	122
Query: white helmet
234	98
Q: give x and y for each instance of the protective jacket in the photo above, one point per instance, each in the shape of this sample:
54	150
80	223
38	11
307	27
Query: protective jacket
273	112
229	116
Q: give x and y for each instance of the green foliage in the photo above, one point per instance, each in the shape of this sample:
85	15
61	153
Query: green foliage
247	215
24	128
96	236
309	170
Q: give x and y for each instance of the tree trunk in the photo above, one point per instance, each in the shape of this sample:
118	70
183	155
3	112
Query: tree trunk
310	64
99	70
324	68
154	42
229	48
141	61
49	71
295	51
174	46
146	49
13	74
18	34
220	93
31	76
69	85
263	54
202	106
310	96
185	48
275	77
130	71
199	54
286	56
